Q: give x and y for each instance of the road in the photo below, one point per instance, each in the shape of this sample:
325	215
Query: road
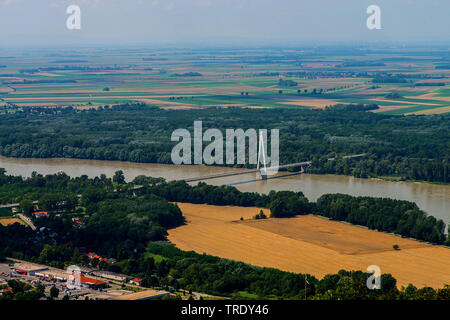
27	221
284	166
14	205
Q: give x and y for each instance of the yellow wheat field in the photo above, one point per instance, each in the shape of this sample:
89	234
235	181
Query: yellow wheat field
308	244
8	221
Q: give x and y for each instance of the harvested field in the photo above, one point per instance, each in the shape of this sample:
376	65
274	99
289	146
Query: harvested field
87	107
8	221
37	104
47	74
389	108
307	244
405	102
433	96
168	104
432	111
6	90
191	107
69	98
256	107
328	234
183	107
432	81
317	103
204	90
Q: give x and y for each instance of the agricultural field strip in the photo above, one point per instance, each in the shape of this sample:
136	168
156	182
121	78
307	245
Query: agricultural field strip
222	74
218	231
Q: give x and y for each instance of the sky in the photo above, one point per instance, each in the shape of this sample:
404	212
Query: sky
203	22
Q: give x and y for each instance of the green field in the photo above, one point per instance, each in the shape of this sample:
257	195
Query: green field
197	79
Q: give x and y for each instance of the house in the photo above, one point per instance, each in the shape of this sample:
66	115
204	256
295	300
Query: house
26	268
5	291
136	281
41	214
55	274
91	283
78	223
93	255
22	272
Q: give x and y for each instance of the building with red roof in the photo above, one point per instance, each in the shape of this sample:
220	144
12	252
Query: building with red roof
41	214
93	255
136	281
91	283
5	291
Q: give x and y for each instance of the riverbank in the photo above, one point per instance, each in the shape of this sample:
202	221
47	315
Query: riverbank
212	168
399	179
432	198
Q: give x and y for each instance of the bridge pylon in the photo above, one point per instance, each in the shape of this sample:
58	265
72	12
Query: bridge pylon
261	152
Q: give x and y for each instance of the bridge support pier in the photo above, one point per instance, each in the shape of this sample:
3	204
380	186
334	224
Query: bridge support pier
262	174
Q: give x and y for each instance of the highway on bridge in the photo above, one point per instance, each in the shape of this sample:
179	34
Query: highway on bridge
284	166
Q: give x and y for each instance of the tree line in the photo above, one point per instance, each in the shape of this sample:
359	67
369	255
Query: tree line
383	214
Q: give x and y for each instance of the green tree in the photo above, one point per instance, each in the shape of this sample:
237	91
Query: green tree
76	257
49	201
54	292
149	265
260	215
26	206
278	208
388	282
119	177
102	265
447	242
70	201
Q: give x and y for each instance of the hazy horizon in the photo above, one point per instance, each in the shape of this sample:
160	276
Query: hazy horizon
222	22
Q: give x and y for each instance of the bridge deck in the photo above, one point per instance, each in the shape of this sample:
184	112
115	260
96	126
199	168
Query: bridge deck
290	165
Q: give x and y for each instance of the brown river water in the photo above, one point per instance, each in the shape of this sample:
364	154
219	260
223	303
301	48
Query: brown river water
434	199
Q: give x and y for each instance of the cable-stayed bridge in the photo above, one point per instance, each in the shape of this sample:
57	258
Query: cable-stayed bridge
263	171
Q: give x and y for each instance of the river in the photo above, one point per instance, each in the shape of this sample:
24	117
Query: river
434	199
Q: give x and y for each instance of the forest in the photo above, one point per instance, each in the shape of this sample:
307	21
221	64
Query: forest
404	147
